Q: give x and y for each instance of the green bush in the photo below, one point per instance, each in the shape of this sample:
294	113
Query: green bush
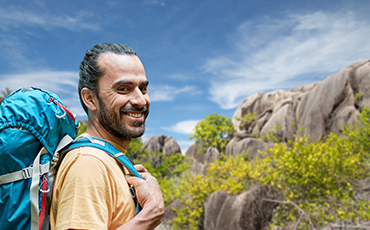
214	131
317	179
315	182
230	175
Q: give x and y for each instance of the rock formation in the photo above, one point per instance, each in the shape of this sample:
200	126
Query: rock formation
251	210
200	159
320	108
162	143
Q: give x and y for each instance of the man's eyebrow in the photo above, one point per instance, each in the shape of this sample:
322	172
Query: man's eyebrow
122	82
146	83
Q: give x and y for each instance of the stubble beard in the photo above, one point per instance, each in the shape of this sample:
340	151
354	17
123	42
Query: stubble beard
115	125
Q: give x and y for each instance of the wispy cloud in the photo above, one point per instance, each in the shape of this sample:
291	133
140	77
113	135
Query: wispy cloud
16	17
169	93
62	83
49	80
183	127
275	54
156	2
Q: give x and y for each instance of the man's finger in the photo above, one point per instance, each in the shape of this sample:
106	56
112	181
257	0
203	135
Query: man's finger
140	168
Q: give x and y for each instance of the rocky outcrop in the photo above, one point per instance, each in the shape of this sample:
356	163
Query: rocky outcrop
251	210
201	158
319	108
331	105
162	143
249	145
195	152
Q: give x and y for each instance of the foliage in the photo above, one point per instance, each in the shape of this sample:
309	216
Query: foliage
317	182
227	175
135	149
273	135
358	100
317	179
247	119
214	131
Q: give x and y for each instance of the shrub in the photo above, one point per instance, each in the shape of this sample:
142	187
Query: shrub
316	182
214	131
317	179
231	175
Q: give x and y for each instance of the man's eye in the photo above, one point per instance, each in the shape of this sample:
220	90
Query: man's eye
143	89
123	89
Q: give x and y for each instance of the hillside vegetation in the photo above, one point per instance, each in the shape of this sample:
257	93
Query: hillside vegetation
315	184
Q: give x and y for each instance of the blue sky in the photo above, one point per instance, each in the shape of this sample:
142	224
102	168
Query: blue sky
201	57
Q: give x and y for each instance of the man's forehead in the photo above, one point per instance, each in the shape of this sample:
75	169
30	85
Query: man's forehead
110	58
119	63
118	69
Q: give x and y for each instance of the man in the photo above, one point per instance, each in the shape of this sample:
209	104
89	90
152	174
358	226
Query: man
91	189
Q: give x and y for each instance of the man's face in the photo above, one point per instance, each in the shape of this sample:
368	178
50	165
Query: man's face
123	98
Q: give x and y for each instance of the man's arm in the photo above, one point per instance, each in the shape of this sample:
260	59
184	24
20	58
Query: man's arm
150	197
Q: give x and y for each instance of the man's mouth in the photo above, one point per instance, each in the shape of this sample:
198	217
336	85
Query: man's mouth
135	112
135	115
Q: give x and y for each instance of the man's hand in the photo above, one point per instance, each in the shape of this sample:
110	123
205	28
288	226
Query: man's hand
150	197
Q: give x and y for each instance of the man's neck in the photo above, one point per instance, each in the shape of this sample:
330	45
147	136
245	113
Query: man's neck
96	130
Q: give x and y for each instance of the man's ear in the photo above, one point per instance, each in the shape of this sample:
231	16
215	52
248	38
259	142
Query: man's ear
89	98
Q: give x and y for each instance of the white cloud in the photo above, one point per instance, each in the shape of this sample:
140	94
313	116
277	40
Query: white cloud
276	54
50	80
62	83
169	93
183	127
16	17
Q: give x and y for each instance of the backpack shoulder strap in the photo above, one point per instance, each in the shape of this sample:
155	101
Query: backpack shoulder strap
85	140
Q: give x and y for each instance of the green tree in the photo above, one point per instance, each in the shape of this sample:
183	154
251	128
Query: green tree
135	150
214	131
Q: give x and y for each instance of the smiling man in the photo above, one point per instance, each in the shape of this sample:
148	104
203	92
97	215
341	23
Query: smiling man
91	189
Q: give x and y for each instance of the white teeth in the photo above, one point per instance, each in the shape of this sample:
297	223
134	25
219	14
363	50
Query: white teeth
137	115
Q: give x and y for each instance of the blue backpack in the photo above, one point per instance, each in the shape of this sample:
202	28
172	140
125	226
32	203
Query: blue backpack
34	126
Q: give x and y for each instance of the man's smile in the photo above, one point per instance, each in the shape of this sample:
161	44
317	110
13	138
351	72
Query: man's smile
135	115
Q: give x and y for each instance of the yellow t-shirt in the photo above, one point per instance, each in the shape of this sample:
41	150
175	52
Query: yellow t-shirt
90	192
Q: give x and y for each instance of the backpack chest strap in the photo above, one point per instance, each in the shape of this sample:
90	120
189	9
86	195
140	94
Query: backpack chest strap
23	174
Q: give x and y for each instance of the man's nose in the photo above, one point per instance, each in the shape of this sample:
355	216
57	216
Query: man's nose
138	98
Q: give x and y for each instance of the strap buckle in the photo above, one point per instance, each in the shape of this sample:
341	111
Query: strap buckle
132	191
26	173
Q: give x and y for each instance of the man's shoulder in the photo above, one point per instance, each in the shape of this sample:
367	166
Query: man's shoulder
83	153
